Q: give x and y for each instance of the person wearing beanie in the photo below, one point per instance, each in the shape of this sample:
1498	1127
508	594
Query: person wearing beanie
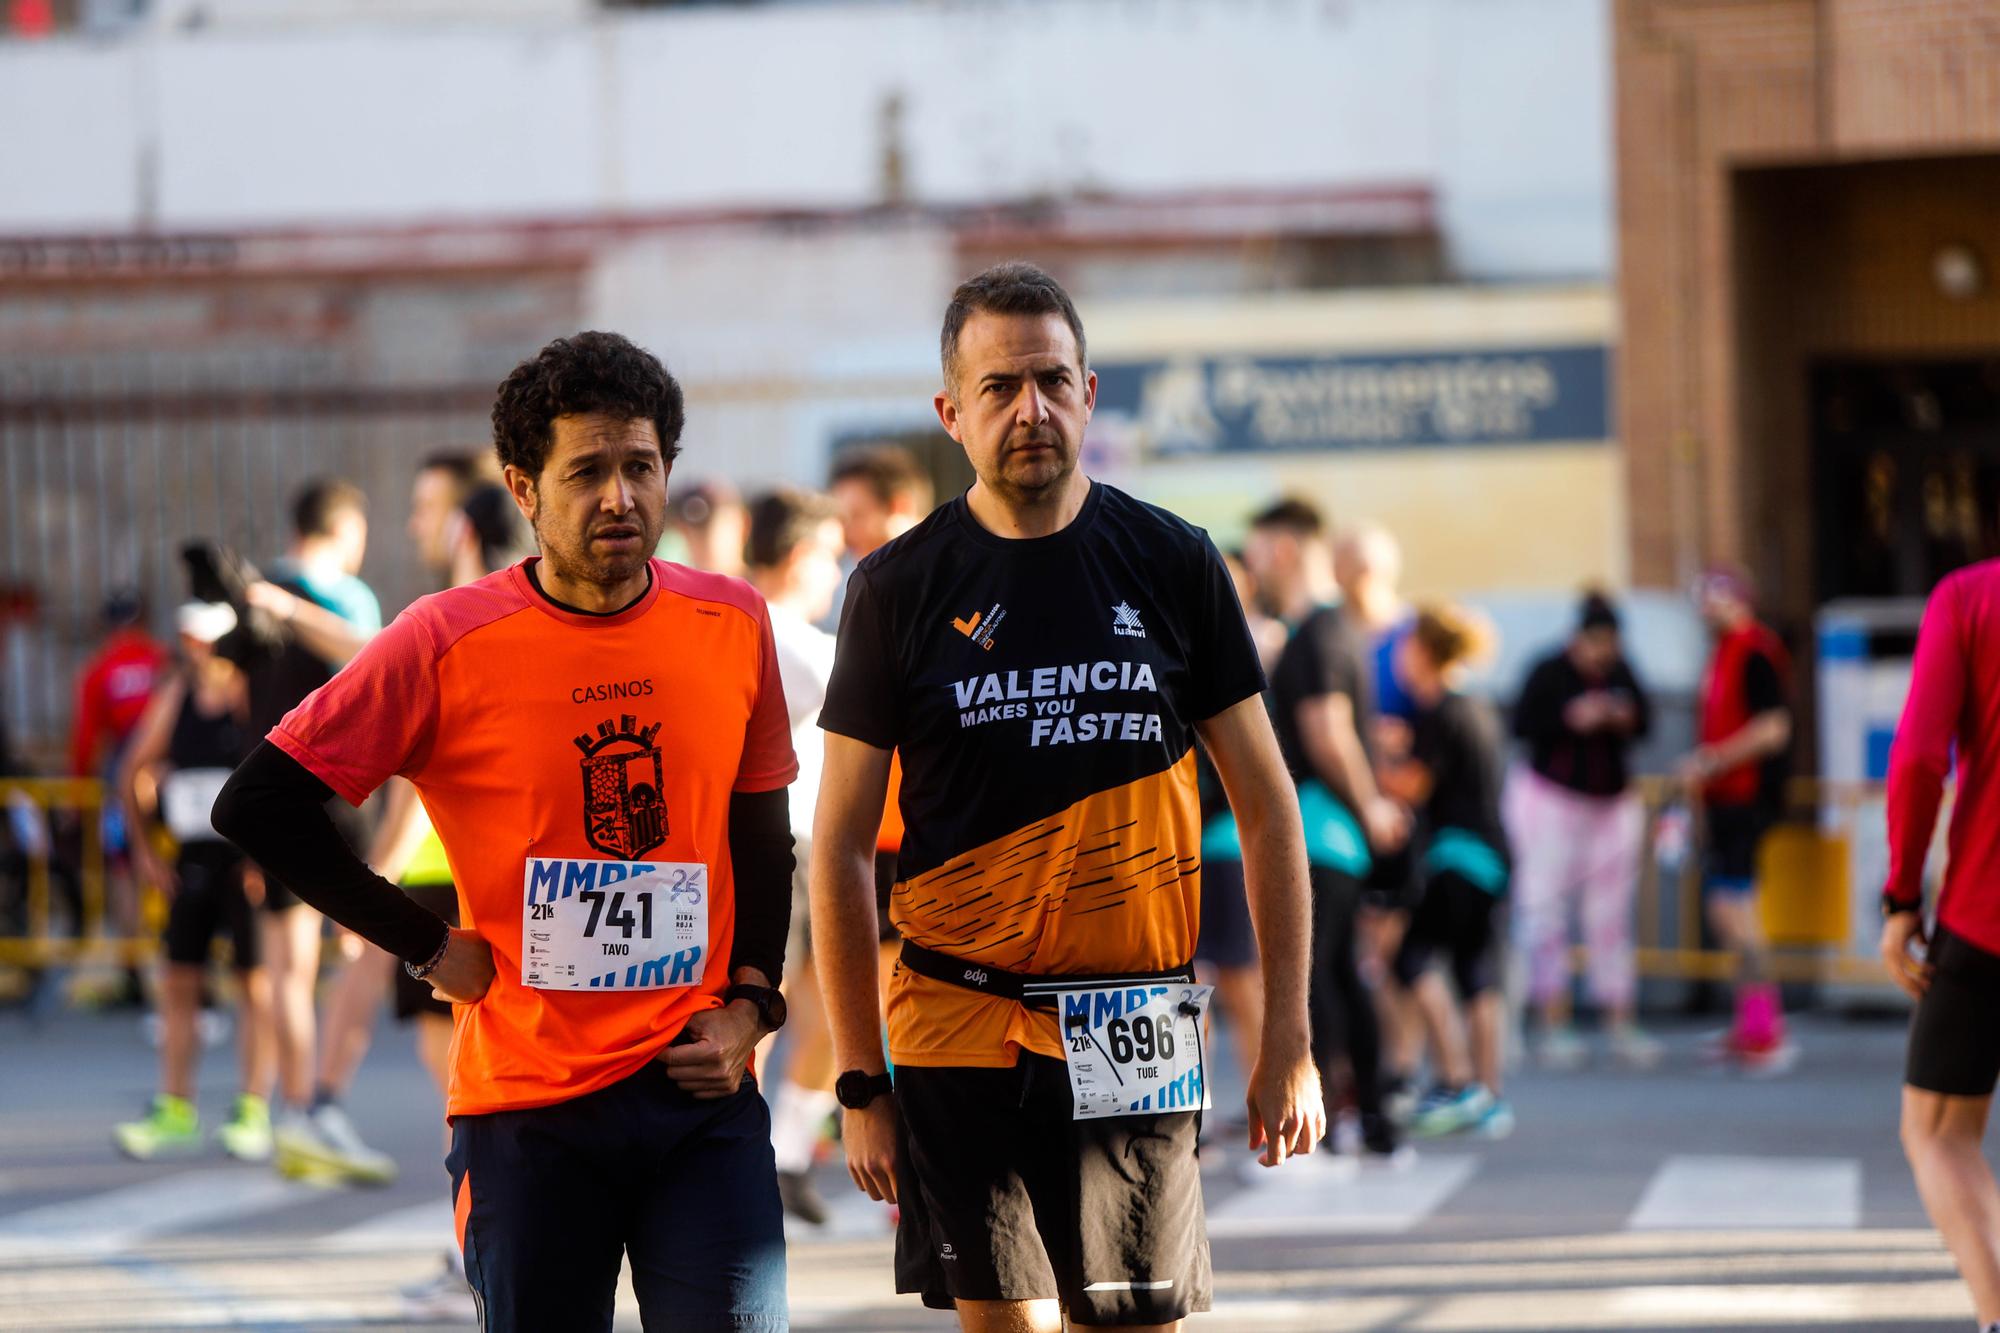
1577	828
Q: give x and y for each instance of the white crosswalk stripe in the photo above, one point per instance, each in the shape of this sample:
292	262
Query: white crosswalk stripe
1710	1192
1337	1196
116	1219
1714	1243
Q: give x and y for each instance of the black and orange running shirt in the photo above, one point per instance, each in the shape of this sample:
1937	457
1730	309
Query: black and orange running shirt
1042	695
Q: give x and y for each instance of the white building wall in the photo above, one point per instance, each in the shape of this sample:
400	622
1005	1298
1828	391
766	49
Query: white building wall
1501	106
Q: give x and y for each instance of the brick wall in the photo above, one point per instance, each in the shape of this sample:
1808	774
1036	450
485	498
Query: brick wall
1708	89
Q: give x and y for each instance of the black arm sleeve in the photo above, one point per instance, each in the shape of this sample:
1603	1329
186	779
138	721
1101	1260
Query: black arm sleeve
760	850
275	810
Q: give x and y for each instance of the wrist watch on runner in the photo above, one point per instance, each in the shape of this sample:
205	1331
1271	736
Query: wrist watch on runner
770	1002
856	1088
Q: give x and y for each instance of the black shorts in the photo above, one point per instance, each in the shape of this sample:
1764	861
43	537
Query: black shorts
1954	1042
1734	834
1457	920
1006	1197
414	997
1227	939
210	902
1392	884
549	1201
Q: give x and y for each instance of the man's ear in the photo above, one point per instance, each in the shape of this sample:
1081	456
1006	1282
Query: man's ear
522	487
947	411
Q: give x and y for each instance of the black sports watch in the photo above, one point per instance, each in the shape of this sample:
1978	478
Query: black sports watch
1890	907
856	1088
770	1002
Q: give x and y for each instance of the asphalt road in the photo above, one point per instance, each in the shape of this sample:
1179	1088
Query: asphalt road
1681	1198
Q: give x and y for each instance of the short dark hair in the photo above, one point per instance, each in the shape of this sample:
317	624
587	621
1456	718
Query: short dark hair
889	471
1300	517
461	465
323	500
781	521
590	372
1013	288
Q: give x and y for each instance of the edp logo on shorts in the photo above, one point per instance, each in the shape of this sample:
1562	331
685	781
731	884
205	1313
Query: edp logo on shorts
624	814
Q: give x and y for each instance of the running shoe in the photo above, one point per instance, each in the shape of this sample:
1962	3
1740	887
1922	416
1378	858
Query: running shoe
1562	1049
1497	1123
172	1128
1767	1059
801	1199
213	1027
444	1296
247	1136
1382	1142
1401	1100
1461	1110
1633	1047
324	1147
1344	1136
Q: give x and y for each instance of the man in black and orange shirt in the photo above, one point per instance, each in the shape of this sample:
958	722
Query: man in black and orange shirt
1041	652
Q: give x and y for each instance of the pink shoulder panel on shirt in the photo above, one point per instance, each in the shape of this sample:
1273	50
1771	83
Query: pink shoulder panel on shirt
702	586
450	615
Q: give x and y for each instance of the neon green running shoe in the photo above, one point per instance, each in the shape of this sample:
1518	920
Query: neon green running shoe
171	1129
247	1136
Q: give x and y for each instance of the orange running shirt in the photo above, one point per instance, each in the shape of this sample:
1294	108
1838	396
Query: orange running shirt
1041	696
559	753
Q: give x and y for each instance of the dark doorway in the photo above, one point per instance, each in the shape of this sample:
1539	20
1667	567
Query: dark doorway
1906	472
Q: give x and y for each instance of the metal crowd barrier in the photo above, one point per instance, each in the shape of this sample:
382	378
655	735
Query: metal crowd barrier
1818	879
33	866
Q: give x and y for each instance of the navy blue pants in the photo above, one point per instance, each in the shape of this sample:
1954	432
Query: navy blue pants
551	1199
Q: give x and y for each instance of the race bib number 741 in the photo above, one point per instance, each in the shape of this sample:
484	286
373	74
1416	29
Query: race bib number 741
613	925
1135	1050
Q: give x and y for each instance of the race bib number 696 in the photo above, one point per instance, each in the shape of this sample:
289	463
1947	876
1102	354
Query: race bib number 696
1135	1050
613	925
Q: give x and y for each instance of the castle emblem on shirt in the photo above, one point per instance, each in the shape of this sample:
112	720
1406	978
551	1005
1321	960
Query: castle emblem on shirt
624	814
1125	622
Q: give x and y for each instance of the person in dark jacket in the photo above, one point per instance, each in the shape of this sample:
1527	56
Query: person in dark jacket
1577	828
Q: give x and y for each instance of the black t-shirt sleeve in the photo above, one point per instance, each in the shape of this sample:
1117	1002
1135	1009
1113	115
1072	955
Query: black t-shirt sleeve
863	696
1762	690
1330	664
1223	658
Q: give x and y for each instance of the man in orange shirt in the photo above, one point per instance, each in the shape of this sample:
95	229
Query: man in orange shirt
1042	653
600	739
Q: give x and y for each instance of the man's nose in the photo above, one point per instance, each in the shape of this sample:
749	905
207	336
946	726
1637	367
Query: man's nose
617	496
1031	409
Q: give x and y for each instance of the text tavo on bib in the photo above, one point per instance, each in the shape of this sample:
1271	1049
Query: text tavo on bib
1135	1050
613	925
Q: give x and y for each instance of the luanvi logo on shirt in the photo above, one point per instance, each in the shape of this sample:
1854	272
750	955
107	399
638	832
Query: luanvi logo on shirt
1125	622
624	814
979	626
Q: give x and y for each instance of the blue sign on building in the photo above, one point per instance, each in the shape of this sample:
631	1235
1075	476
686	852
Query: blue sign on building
1246	404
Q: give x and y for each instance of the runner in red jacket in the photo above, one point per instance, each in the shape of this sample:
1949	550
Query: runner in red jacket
1954	1057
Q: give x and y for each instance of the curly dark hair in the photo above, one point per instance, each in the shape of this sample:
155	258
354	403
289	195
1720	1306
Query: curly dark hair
590	372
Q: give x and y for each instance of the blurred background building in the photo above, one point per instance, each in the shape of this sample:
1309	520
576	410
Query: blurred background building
1374	250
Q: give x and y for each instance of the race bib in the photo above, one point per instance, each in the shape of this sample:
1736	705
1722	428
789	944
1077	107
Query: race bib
187	797
1135	1050
613	925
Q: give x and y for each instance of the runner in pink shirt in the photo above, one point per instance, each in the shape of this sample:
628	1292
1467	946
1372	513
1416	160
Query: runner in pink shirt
1954	1056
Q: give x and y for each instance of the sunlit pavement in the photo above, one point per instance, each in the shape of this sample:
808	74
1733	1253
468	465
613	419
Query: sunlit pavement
1682	1198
